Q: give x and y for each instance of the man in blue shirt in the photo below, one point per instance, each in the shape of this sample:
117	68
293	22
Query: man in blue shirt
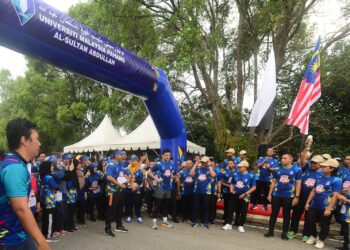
186	189
224	182
265	167
344	171
242	185
214	191
230	155
18	227
203	175
284	192
242	156
117	181
164	175
309	177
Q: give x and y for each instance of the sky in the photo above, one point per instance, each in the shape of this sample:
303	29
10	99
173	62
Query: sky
14	61
325	17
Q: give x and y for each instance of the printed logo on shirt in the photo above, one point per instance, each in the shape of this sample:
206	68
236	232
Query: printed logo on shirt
202	177
284	179
310	182
346	185
240	184
229	179
188	179
121	179
167	173
319	188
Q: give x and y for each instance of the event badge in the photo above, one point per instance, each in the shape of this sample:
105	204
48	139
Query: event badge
32	199
58	196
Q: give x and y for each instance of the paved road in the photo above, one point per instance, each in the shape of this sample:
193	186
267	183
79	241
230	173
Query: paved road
181	237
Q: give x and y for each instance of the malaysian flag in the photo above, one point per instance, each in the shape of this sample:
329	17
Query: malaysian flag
309	92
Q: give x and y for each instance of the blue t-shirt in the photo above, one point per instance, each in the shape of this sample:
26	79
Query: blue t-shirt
187	182
286	181
48	188
125	164
15	181
264	173
227	177
214	186
202	181
325	187
235	159
94	181
345	207
242	183
343	173
117	171
308	181
164	171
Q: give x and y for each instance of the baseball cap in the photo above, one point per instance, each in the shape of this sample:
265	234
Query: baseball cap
327	156
52	158
230	150
317	159
331	162
243	152
243	164
134	158
84	158
67	156
205	159
118	152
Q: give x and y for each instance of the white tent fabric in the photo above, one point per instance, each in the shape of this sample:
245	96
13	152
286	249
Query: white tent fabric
145	137
105	134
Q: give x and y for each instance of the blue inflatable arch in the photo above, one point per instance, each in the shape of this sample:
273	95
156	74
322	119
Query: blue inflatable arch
34	28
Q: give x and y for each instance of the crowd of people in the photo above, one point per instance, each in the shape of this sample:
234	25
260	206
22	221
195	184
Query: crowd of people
65	190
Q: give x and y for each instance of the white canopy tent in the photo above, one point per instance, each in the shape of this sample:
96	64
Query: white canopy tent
145	137
104	135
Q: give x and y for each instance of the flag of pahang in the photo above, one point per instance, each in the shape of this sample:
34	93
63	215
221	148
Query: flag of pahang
309	93
262	112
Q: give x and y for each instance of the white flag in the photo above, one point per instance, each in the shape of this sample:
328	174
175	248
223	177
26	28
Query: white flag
267	92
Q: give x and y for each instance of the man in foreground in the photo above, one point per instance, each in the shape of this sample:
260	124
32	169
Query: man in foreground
18	227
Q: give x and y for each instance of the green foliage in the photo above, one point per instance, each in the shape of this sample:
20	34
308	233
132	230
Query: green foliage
243	142
180	36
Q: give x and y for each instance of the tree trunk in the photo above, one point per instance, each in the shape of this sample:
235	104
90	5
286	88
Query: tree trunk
240	63
256	71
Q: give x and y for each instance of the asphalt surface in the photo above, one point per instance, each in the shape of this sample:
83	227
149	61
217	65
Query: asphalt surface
181	237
